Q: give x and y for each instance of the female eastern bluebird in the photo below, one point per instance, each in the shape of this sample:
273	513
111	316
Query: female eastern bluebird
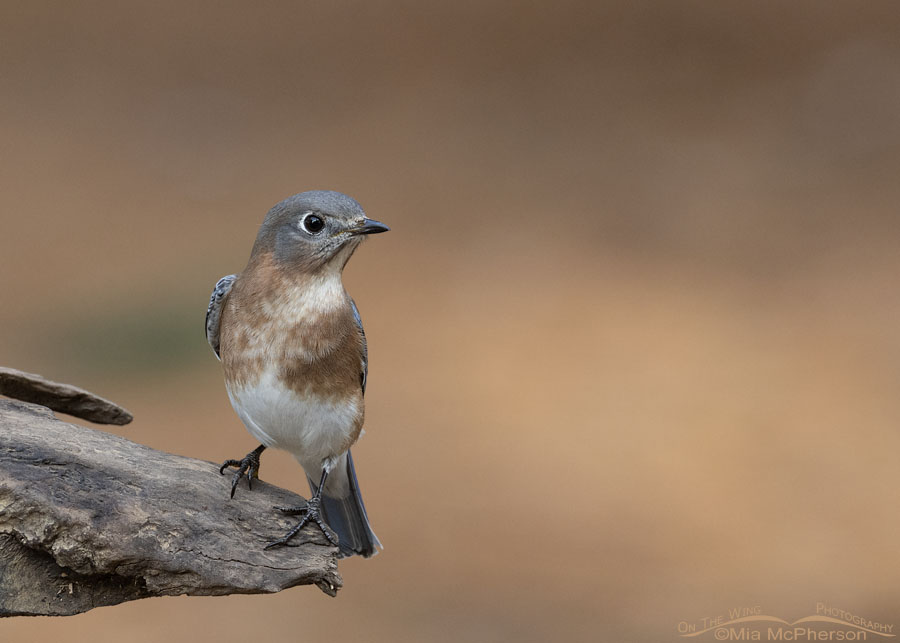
294	352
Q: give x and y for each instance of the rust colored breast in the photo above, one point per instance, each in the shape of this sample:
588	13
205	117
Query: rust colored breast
300	326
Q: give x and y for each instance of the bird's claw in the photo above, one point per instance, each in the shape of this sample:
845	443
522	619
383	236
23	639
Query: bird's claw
312	514
248	465
292	511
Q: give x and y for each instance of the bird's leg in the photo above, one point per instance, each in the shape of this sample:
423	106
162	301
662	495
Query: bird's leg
249	464
311	511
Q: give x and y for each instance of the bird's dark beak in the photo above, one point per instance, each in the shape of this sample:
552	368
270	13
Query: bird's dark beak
369	226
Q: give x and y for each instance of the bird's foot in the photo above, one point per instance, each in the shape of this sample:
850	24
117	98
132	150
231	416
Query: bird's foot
311	514
248	465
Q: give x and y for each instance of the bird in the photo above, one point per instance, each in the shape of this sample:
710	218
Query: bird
295	359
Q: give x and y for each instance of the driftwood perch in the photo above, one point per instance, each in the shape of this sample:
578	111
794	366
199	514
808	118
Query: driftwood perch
88	519
64	398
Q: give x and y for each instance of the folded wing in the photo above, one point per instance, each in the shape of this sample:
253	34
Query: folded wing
214	312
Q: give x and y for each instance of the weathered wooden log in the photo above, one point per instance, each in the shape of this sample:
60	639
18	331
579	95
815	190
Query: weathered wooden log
64	398
88	519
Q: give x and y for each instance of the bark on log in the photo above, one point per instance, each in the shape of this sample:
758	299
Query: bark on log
88	519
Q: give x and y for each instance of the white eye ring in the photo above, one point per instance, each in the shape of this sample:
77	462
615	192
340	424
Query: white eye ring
312	223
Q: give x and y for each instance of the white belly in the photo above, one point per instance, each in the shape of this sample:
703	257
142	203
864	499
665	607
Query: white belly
311	428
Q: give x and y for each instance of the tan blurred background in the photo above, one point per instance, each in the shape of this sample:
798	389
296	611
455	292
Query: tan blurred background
634	337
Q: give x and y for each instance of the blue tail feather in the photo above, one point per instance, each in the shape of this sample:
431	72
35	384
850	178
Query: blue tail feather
345	512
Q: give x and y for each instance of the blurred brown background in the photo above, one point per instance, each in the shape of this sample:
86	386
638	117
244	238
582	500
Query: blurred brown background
633	338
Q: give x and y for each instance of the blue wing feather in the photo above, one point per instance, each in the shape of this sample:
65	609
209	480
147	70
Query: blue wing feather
214	312
364	369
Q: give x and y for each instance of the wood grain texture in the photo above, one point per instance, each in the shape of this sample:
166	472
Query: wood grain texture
90	519
64	398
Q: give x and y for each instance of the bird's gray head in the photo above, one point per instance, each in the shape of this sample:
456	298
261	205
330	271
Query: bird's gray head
313	230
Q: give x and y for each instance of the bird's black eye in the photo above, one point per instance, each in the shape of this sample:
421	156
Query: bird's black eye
313	223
